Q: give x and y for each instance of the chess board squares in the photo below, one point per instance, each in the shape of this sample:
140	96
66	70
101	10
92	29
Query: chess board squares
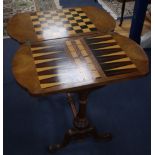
56	31
112	59
68	26
81	24
71	32
77	28
72	11
51	24
72	21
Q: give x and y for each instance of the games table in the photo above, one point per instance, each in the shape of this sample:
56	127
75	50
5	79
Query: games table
78	63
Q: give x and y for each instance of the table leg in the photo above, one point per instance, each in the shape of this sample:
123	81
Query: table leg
80	121
82	127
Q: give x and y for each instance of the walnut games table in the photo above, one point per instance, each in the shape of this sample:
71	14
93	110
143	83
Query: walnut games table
75	62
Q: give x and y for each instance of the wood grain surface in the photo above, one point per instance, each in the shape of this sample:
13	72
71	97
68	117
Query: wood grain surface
72	64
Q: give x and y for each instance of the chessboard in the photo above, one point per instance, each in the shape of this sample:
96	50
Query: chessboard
58	23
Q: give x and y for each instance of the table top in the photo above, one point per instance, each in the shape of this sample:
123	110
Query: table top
39	26
77	63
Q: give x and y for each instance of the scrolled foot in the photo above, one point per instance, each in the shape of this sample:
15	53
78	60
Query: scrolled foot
54	148
103	136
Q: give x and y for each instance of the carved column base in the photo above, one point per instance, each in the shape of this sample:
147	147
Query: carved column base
81	123
78	134
82	128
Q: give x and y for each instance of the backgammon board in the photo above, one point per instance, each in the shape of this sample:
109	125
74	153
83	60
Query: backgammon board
86	61
44	25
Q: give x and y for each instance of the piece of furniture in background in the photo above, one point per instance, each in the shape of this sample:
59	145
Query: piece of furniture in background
122	11
138	19
123	8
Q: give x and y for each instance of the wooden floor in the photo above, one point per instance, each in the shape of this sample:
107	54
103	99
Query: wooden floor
125	28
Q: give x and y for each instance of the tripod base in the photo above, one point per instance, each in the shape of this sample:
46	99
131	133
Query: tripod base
82	128
78	134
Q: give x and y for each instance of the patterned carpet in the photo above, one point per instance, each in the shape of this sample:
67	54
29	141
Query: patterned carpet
11	7
114	8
